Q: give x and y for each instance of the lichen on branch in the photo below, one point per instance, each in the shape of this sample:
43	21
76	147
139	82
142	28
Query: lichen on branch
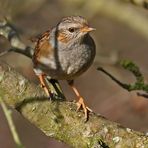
134	69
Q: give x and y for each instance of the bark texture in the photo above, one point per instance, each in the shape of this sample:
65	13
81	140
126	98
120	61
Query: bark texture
59	118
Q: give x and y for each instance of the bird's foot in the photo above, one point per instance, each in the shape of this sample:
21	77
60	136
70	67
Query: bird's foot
81	104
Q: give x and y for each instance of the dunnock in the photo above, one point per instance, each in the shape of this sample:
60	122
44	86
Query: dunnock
64	53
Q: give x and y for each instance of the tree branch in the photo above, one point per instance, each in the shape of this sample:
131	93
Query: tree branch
59	118
7	113
9	32
134	69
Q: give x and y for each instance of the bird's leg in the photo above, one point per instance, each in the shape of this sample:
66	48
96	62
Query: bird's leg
44	85
80	102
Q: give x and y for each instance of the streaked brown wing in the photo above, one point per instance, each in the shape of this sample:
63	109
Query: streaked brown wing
42	47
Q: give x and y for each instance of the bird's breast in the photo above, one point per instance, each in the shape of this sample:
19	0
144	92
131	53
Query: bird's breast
77	60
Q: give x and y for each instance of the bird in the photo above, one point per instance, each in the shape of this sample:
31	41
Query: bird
64	52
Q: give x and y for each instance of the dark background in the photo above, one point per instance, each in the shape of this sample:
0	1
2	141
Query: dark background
115	41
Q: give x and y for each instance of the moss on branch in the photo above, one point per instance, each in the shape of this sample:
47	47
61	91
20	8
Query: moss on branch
134	69
59	119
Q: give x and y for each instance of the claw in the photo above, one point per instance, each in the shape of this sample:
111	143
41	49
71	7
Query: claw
81	104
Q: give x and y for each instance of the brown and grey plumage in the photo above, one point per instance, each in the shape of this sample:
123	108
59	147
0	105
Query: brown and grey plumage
65	52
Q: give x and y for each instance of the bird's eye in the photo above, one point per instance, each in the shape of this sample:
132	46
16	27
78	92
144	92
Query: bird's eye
71	29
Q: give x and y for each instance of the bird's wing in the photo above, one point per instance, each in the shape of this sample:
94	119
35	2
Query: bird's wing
42	47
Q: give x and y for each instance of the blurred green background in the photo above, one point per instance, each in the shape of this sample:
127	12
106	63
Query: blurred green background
115	41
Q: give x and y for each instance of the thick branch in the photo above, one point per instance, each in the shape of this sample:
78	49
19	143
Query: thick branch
59	119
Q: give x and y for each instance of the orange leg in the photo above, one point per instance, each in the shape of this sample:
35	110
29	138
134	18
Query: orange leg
44	84
80	102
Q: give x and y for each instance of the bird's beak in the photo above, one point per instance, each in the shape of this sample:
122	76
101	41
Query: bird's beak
87	29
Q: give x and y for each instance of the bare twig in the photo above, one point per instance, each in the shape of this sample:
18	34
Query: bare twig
7	113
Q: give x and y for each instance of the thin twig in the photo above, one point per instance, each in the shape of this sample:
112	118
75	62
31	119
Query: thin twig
123	85
8	116
134	69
